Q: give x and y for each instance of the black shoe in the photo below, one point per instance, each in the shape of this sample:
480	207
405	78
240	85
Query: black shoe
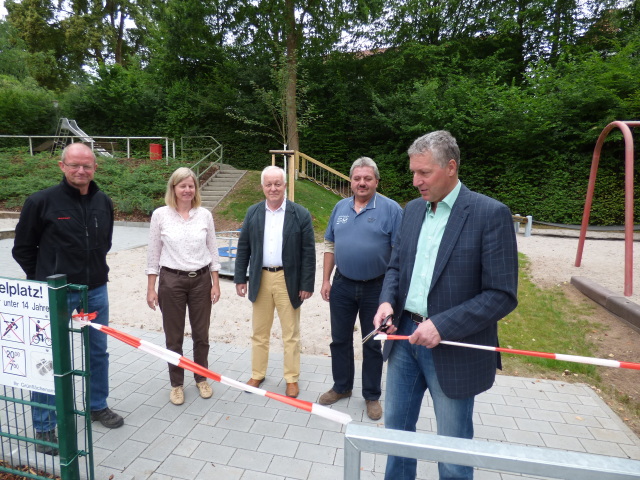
47	437
107	418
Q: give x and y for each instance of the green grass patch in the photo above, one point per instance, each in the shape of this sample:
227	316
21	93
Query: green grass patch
318	200
545	320
246	192
137	185
134	185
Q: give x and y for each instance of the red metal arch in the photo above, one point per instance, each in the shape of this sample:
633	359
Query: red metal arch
625	128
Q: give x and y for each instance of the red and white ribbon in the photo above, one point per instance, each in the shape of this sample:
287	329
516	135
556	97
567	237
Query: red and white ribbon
183	362
554	356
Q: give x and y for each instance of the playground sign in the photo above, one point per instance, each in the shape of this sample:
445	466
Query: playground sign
25	335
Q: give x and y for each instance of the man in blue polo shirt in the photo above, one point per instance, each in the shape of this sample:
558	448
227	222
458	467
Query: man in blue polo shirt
358	241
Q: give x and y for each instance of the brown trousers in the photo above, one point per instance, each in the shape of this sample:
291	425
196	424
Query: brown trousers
175	294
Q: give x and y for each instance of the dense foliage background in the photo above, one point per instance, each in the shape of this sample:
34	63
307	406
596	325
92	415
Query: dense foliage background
526	86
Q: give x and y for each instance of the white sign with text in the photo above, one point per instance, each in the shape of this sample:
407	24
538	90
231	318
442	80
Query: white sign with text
25	335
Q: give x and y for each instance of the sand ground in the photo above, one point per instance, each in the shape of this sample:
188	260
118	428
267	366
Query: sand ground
552	254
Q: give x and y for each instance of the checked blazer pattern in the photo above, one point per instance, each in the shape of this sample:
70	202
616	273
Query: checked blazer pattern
474	285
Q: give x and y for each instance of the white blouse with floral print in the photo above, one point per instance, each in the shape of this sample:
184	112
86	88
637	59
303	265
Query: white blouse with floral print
181	244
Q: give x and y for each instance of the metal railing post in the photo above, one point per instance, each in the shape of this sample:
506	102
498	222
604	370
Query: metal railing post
352	459
625	127
63	377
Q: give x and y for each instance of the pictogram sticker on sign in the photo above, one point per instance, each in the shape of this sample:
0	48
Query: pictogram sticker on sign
12	327
14	361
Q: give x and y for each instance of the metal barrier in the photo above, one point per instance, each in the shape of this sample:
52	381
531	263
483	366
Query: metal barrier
17	434
526	220
504	457
169	143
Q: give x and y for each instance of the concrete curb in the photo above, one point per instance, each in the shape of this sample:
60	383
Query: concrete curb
10	232
615	303
123	223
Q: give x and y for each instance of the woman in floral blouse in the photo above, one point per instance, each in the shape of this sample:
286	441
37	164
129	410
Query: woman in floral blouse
183	252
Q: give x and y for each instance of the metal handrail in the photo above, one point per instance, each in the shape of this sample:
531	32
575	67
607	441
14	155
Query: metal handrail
217	151
505	457
167	141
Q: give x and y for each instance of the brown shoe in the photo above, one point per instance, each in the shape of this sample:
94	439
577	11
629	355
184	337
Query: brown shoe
255	383
292	390
374	409
331	397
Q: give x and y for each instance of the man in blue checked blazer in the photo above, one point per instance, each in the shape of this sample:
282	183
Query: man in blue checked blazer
453	276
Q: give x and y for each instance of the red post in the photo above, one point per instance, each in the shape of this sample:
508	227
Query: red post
624	127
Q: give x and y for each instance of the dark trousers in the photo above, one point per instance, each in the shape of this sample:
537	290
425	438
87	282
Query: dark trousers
350	299
97	301
176	293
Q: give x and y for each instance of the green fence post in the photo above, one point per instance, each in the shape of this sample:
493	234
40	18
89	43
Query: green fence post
63	377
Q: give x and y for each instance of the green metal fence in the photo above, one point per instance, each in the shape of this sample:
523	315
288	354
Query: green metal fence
18	442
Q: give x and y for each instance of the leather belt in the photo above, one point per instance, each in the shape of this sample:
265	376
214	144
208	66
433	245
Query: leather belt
381	277
273	269
417	319
193	274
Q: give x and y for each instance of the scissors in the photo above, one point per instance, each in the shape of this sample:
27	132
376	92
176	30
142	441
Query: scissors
383	326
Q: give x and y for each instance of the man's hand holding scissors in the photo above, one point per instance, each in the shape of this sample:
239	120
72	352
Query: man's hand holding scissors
381	328
383	316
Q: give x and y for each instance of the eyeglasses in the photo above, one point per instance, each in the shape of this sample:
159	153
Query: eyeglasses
75	166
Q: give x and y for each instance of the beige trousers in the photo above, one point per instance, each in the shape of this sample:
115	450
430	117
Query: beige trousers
273	295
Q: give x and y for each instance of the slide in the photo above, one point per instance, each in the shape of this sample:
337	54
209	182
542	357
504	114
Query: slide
72	126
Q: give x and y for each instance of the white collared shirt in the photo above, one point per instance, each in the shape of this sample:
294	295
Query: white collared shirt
273	226
181	244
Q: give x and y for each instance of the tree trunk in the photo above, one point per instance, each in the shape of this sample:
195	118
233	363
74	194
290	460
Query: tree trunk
119	41
292	77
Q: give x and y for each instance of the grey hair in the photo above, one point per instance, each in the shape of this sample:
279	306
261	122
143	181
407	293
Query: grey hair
441	144
365	162
270	169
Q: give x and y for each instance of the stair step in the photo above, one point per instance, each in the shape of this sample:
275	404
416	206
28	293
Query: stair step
219	185
228	178
222	181
215	191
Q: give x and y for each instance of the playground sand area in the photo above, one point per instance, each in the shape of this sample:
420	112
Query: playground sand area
551	254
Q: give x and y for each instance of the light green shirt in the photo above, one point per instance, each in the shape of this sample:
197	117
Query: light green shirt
428	245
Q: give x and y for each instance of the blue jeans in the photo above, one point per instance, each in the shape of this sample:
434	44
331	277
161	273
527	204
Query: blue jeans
410	373
349	299
98	301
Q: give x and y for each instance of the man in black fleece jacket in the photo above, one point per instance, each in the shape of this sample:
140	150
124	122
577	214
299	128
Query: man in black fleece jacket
67	229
